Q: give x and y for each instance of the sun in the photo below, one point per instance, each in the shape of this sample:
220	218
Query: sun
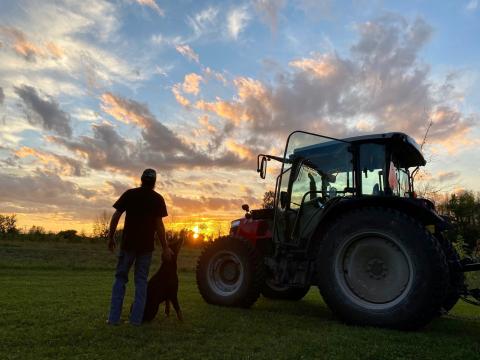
196	232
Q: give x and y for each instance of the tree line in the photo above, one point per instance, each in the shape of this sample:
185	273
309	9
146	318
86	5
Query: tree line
462	209
9	231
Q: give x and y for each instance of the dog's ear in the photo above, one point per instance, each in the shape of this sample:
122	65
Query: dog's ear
178	244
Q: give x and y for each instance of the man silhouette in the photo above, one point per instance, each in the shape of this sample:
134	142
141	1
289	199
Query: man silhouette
145	209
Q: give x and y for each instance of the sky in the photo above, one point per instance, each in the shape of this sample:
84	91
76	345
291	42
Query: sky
92	92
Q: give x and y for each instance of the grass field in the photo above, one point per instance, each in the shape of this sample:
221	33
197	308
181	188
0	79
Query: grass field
54	299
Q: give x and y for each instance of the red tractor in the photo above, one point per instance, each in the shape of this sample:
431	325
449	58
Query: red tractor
345	219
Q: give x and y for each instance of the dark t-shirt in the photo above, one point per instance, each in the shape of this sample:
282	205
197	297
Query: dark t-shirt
143	206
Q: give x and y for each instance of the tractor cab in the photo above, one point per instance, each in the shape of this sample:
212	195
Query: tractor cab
318	171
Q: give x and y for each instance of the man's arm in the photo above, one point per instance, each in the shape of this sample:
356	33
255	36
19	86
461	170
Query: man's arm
160	228
113	227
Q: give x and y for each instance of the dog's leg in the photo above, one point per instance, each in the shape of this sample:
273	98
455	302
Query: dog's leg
176	306
167	308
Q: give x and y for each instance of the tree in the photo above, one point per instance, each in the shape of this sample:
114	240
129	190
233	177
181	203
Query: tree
37	230
8	224
101	225
268	200
464	210
68	234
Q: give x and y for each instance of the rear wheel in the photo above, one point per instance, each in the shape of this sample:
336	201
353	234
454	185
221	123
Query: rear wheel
379	267
230	273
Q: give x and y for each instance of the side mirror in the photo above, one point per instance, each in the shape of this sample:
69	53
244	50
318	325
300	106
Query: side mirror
245	207
283	199
262	165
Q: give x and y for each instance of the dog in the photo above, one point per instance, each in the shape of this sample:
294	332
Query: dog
163	286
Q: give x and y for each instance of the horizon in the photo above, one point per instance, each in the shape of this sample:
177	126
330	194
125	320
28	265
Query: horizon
92	93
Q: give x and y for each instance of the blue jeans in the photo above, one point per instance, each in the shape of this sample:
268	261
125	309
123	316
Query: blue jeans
142	266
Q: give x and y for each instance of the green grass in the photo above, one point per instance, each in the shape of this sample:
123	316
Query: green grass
54	299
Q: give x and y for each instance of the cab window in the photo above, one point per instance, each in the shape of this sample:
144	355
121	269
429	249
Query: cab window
372	167
398	180
306	181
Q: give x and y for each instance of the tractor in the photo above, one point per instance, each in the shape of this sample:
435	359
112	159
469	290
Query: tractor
347	220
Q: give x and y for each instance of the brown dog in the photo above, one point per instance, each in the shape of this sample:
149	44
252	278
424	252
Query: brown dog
163	286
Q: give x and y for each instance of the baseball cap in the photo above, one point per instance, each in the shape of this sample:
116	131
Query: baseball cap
149	175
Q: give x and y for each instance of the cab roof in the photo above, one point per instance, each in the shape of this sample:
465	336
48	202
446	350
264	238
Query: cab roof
404	148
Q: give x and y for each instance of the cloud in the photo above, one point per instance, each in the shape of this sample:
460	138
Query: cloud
204	121
209	73
67	47
118	187
105	150
156	135
55	50
472	5
125	110
323	66
315	9
269	11
191	83
48	193
381	85
243	151
237	20
2	96
188	52
153	5
25	48
203	22
158	146
20	44
206	203
62	165
447	176
177	92
44	112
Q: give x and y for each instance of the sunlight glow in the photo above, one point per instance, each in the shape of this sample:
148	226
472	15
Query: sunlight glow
196	232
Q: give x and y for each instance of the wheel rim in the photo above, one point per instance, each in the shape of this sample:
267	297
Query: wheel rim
374	270
225	273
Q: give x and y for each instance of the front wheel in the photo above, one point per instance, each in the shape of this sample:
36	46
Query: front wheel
230	273
379	267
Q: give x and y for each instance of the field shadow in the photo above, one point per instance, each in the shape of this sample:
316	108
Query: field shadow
448	326
314	308
455	326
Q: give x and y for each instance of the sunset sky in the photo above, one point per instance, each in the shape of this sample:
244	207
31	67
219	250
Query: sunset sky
92	92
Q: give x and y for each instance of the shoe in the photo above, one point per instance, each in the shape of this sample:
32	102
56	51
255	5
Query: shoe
132	323
108	322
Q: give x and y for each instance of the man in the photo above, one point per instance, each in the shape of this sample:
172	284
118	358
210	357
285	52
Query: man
145	209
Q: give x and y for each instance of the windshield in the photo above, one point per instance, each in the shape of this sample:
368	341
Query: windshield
322	168
315	169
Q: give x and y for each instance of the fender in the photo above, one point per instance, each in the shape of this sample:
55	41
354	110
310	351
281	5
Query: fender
420	209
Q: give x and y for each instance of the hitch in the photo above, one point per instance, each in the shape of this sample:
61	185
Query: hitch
471	267
468	265
472	296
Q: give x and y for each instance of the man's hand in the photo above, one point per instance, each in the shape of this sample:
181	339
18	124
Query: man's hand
111	232
111	244
167	254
